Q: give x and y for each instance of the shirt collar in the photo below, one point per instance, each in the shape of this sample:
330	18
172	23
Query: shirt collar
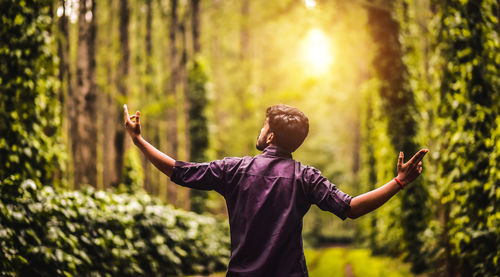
275	151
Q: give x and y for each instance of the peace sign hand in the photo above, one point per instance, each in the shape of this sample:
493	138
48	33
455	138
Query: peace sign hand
132	123
408	172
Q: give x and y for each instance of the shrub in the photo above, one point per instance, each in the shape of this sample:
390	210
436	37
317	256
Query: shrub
44	232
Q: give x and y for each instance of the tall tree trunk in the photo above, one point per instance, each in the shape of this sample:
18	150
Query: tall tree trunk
122	80
84	142
215	47
148	180
398	104
183	85
195	25
172	141
109	123
65	75
63	52
245	66
371	163
196	95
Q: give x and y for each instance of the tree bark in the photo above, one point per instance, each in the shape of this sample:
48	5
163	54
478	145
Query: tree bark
84	143
122	80
65	76
183	84
109	177
172	141
195	25
63	51
148	174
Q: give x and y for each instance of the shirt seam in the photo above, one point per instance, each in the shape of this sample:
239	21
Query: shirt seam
273	177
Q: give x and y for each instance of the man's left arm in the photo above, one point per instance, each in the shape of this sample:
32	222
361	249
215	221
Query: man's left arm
407	173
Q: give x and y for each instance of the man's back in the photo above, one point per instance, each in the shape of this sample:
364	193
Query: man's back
267	197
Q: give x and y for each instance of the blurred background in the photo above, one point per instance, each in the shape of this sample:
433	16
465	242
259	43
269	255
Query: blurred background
374	77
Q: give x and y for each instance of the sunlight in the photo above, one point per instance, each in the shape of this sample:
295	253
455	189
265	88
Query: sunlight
71	10
310	3
316	52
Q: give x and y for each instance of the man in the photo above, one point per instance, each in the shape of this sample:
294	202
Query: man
268	195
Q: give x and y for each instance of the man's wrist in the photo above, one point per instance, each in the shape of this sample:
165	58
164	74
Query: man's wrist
399	182
137	139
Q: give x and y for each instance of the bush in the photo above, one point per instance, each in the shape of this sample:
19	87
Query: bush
45	233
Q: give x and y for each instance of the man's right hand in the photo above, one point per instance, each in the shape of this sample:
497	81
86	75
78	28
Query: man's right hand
132	124
408	172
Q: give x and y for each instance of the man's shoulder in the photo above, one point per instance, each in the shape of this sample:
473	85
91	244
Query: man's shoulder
309	172
231	161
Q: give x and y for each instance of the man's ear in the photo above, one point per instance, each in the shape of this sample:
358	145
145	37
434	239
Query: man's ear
270	137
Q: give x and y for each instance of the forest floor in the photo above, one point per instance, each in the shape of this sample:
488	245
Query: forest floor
350	262
342	261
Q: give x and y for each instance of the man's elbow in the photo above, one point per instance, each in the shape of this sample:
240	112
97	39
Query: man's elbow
351	214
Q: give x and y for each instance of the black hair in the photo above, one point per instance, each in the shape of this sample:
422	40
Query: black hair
289	124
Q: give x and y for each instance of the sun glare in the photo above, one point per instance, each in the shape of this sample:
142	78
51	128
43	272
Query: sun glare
316	52
310	3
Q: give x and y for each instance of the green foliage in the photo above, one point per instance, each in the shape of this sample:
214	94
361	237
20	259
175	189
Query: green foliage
30	121
398	105
93	233
467	80
132	173
198	129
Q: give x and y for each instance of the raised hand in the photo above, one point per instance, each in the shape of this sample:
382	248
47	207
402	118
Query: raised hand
408	172
132	123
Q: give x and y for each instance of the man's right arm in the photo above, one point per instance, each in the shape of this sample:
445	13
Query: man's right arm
159	159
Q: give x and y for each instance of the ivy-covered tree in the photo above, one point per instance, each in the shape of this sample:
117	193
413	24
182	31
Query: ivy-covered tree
198	130
398	106
468	82
30	142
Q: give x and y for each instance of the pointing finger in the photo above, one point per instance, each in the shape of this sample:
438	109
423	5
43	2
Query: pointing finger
418	157
137	115
125	111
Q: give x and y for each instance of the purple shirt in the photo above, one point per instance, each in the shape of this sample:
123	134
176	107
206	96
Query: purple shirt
266	196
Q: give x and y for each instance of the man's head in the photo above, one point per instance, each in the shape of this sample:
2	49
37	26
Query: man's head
285	126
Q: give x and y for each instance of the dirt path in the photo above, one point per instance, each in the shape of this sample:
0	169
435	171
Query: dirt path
348	270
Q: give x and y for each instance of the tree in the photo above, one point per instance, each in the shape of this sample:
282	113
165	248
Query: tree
195	26
108	96
122	87
467	51
30	145
83	128
198	127
171	89
196	96
399	108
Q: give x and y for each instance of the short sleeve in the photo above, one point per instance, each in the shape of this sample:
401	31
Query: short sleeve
325	194
202	176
